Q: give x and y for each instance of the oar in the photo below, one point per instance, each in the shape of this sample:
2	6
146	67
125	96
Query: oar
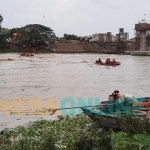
54	110
104	103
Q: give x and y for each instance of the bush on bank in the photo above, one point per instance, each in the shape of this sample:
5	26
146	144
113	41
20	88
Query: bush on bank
77	133
4	46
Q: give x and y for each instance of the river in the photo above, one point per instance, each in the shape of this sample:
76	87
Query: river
58	76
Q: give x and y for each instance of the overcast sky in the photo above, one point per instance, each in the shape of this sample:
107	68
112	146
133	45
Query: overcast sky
79	17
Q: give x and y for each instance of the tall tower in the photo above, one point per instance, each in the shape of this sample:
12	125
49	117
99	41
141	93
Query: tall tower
121	45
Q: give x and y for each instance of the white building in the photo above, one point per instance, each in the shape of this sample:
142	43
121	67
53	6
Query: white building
100	37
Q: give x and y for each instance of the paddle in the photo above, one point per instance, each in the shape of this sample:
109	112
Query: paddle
54	110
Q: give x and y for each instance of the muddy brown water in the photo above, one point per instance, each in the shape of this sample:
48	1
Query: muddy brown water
58	76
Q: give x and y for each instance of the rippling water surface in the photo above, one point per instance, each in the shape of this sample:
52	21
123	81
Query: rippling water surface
58	76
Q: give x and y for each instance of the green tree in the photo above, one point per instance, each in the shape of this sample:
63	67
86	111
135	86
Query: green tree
3	43
34	32
71	37
1	20
32	36
10	32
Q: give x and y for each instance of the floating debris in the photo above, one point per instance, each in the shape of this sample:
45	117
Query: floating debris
8	59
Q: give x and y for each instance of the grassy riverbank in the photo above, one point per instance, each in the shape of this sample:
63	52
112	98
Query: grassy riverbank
77	133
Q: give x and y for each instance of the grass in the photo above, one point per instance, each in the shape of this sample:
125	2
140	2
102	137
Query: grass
75	133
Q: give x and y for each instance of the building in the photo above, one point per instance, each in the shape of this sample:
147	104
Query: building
100	37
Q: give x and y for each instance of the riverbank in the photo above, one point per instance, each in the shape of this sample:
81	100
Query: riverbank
76	133
68	46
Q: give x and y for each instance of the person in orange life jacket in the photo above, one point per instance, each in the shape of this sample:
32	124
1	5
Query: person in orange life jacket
113	61
107	60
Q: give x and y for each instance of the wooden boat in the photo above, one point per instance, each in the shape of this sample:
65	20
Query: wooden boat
107	120
107	64
102	119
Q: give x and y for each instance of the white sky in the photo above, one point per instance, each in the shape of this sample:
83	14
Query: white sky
79	17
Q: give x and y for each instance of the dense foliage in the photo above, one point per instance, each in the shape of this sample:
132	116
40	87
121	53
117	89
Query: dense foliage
34	32
3	44
71	37
1	20
75	133
32	36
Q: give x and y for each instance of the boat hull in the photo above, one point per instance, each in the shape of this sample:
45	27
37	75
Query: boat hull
107	120
27	55
101	119
108	64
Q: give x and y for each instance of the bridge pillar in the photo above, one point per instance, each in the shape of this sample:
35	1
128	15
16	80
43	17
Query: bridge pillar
140	43
142	40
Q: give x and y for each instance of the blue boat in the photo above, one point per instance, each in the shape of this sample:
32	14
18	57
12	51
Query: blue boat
104	119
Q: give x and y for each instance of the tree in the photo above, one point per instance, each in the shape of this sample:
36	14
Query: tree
1	20
35	32
71	37
10	32
31	36
3	43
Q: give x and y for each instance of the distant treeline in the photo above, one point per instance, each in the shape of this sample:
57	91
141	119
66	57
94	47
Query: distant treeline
71	37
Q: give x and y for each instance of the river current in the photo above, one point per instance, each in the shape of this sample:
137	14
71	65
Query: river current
59	76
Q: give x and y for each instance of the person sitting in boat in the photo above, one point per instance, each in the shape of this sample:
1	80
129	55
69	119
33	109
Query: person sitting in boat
115	96
107	60
123	98
22	54
135	106
29	54
100	60
115	93
113	61
115	99
104	105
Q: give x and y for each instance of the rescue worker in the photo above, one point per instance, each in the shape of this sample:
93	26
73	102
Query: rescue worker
107	60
